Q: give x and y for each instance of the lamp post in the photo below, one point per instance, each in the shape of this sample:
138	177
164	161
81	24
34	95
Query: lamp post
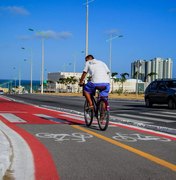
43	58
87	25
14	77
19	78
31	69
110	48
137	65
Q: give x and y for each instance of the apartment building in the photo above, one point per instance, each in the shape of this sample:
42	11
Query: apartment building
156	68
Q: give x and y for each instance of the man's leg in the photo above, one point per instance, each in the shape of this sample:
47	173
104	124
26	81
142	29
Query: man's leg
88	98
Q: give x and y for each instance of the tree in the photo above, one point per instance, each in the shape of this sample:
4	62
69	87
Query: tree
136	74
69	80
72	80
114	79
150	75
61	81
123	78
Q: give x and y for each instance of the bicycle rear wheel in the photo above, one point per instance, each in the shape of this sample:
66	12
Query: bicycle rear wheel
103	116
88	114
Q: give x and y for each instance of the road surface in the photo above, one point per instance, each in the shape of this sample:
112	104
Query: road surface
60	146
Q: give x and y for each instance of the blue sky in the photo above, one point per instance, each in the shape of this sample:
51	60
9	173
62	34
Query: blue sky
148	28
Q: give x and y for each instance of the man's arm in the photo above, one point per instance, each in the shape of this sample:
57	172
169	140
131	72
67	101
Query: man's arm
82	77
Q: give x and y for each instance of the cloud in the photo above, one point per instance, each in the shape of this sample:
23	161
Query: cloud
15	10
49	34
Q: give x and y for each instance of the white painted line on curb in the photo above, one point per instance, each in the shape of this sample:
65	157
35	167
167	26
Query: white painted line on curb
5	154
22	163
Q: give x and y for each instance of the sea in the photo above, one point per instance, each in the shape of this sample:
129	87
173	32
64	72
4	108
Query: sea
9	83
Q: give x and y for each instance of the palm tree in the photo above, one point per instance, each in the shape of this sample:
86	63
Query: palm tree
61	81
114	79
136	74
73	81
150	75
123	78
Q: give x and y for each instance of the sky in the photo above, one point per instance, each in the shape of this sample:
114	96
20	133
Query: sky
148	28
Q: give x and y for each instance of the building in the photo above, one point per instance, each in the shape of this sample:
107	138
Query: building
138	69
157	68
61	81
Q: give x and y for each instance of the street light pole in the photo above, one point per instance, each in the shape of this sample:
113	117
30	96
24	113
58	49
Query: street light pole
31	72
110	49
30	69
43	54
110	53
43	58
137	64
19	78
87	26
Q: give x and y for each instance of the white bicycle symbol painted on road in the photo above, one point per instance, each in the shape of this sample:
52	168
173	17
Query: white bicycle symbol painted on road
79	137
135	137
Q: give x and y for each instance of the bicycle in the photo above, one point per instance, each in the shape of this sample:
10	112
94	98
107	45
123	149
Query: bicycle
100	110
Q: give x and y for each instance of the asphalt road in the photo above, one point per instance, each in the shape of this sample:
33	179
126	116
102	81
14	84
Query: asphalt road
122	152
126	111
96	158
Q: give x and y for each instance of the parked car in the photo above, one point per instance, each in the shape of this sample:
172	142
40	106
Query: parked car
1	92
161	92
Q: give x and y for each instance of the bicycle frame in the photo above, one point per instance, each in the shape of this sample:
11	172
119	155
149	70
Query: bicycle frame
96	102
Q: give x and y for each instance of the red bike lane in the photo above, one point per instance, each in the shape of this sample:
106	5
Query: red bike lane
13	113
44	167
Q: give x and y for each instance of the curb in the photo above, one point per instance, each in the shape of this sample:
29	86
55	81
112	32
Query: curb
17	163
6	153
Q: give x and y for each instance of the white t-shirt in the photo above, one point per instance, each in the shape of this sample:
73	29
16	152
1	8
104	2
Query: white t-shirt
98	71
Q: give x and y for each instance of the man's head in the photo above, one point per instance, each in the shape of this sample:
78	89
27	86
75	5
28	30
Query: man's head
89	57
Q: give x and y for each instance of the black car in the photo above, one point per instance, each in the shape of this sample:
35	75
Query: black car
161	92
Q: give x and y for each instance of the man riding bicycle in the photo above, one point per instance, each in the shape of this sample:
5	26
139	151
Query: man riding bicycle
100	77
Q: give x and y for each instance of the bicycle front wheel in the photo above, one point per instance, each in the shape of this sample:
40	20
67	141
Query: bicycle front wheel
103	116
88	114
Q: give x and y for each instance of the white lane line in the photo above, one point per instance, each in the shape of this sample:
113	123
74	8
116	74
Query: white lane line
159	114
172	113
50	118
129	120
22	163
12	118
146	118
